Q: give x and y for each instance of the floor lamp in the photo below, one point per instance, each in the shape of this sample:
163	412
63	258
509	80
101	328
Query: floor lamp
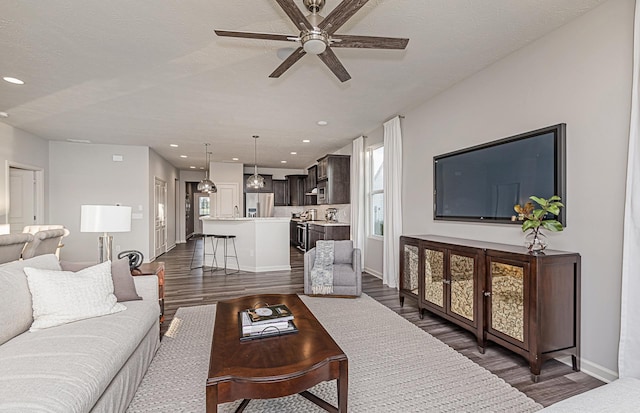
105	219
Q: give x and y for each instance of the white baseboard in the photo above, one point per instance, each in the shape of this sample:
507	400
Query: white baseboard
372	272
592	369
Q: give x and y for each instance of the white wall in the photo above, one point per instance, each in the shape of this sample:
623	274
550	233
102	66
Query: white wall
20	147
86	174
163	170
581	75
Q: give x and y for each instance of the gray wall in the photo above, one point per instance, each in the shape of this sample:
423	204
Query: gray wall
86	174
581	75
160	168
20	147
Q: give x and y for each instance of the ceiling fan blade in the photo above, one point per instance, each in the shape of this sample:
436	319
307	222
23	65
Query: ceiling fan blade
341	14
249	35
288	62
331	60
295	14
370	42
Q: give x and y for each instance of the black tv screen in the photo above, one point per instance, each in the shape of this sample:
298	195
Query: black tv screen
484	182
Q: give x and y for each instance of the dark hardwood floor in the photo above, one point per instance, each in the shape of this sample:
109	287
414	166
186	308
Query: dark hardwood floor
184	287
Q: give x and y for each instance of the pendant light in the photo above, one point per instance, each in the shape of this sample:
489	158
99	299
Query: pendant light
206	185
255	181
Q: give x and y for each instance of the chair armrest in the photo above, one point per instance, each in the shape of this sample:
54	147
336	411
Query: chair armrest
309	260
357	269
147	286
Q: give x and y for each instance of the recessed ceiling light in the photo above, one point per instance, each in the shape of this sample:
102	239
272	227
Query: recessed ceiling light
4	115
306	141
13	80
78	140
202	167
234	159
173	145
322	123
183	156
192	167
294	153
283	161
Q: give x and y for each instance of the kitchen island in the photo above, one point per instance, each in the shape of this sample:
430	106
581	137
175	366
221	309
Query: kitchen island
262	243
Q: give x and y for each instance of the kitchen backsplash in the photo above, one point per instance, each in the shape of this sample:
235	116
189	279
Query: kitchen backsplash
343	215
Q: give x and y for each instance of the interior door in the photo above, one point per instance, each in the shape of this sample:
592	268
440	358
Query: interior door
160	229
22	199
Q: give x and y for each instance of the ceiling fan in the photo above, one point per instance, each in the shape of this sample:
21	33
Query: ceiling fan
317	35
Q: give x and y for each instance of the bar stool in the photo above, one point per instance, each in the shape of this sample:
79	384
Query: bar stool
225	238
204	251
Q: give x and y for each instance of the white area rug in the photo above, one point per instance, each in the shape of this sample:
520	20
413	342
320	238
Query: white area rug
394	366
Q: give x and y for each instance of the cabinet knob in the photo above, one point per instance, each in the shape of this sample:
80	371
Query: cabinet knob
487	293
448	282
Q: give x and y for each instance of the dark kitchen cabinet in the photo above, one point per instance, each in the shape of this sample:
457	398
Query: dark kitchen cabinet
310	183
268	184
327	232
293	233
296	189
280	190
527	303
333	179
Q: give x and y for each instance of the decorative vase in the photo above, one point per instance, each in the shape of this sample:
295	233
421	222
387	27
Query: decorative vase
534	242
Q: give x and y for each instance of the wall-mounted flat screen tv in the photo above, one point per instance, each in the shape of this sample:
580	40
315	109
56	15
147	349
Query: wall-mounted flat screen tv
484	182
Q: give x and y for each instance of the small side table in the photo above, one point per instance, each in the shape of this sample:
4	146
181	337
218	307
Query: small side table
154	268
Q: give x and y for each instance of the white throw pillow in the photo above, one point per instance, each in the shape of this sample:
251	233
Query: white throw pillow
60	297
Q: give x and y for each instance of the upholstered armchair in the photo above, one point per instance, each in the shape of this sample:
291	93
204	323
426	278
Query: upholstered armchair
44	242
33	229
11	246
347	271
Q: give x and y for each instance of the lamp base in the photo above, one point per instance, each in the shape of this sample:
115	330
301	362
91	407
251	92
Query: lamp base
105	243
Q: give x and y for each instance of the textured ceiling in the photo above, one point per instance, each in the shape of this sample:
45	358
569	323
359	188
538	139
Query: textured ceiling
152	72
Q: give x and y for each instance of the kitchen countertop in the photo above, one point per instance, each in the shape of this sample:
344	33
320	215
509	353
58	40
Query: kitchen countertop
323	223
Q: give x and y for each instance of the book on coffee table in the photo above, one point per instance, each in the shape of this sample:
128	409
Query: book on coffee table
250	331
278	312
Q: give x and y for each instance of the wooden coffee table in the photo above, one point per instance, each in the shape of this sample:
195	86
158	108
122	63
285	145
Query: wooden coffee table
276	366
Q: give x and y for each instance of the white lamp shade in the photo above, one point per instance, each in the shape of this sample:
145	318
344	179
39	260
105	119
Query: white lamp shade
105	218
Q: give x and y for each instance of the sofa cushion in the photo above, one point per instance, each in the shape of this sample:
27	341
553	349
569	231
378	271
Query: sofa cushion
123	285
61	297
15	298
67	368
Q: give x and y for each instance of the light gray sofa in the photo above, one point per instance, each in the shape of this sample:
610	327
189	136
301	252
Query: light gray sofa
92	365
347	271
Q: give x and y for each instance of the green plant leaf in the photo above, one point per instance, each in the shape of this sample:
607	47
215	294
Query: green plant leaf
530	225
555	198
539	214
540	201
554	209
552	225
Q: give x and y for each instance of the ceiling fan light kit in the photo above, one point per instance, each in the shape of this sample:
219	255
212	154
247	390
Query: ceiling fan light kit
316	35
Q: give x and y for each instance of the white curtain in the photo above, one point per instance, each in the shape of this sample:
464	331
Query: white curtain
358	200
392	201
629	352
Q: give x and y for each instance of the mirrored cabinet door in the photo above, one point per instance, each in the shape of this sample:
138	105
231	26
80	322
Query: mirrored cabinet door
462	270
434	277
410	273
507	311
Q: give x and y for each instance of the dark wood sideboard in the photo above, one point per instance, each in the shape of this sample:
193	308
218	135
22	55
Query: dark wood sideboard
527	303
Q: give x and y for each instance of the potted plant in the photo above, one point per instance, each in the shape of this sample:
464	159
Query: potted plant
534	219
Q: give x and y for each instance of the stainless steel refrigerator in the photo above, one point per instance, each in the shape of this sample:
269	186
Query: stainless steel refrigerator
258	205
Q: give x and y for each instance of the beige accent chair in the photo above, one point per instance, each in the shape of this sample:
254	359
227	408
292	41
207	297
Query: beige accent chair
33	229
11	246
44	242
347	271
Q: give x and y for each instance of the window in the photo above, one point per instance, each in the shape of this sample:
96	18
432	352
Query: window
376	191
